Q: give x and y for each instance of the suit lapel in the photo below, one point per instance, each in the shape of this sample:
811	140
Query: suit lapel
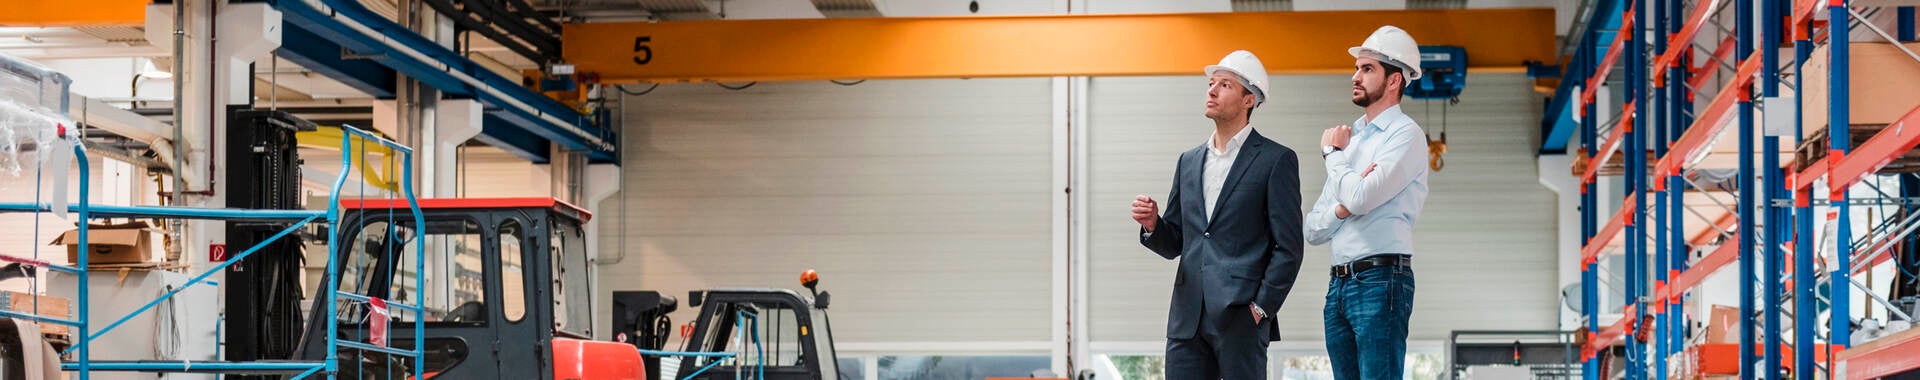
1193	183
1246	156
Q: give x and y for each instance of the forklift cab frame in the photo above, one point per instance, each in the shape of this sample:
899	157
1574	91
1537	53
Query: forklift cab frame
774	333
504	276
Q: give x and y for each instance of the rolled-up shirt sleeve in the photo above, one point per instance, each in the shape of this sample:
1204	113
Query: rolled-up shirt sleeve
1402	157
1321	221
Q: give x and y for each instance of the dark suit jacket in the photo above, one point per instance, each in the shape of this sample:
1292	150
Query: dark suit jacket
1249	253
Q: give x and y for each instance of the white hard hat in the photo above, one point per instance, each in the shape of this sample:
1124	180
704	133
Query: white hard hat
1393	46
1251	72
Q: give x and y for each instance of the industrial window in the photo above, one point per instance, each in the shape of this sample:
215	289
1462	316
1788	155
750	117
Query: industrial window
761	333
1419	366
960	367
379	255
513	268
572	290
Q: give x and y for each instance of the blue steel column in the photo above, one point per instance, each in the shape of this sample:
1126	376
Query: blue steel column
1674	102
86	323
1588	303
1637	183
1744	11
1589	203
1839	134
1805	317
1662	246
1775	228
1904	23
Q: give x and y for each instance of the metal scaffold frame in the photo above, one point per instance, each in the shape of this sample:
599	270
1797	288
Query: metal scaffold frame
1772	237
85	333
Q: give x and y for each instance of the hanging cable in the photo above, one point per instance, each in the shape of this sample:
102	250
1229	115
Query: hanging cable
623	90
741	87
850	83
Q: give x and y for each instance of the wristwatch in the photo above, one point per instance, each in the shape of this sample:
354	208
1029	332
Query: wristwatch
1326	150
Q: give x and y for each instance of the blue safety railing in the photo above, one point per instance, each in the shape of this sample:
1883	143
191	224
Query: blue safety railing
84	364
747	323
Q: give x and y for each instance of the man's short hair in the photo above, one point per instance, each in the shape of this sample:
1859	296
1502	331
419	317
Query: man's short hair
1389	69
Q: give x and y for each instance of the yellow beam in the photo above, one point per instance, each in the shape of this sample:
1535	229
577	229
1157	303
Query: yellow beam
1029	46
328	137
60	13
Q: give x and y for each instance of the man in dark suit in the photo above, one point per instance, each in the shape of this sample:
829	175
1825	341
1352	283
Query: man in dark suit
1233	221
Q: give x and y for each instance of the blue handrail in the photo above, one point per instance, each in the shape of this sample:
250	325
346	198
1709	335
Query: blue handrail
85	364
748	324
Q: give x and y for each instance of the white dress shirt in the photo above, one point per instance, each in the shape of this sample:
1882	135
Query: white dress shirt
1218	163
1383	203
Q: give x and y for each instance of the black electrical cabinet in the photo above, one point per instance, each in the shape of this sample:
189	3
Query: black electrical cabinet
262	171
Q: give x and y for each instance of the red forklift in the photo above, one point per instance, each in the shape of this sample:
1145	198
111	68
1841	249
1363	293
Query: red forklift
508	296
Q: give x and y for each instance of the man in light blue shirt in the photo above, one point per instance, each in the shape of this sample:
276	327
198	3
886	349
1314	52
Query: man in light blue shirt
1376	185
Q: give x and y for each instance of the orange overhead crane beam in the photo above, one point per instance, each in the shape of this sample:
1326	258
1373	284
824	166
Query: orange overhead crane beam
1033	46
62	13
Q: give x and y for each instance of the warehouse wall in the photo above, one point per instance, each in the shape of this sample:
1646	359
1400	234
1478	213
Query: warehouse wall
113	183
1485	244
490	172
924	204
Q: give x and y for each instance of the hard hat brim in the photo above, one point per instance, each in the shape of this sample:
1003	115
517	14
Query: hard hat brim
1260	94
1413	73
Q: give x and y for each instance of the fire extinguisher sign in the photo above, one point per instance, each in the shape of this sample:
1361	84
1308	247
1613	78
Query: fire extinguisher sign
377	322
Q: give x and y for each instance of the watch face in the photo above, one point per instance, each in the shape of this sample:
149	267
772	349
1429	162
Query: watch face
1326	149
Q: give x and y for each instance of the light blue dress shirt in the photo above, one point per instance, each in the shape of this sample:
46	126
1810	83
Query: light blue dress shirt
1385	202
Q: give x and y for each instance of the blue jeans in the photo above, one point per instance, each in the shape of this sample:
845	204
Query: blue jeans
1366	320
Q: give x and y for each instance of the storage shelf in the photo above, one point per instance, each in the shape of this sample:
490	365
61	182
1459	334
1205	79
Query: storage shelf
1887	356
1877	147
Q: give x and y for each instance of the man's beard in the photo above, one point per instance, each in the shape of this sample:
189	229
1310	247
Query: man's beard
1368	97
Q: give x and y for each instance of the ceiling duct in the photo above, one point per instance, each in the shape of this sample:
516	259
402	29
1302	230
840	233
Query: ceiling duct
679	10
1262	5
1436	4
131	35
846	8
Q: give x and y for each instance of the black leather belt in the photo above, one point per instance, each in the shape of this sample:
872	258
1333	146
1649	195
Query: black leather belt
1363	264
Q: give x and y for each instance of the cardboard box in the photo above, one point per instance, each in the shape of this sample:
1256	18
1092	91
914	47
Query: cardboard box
1880	88
1720	324
54	307
128	243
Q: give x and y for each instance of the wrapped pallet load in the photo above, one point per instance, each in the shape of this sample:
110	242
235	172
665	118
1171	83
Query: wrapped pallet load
1880	90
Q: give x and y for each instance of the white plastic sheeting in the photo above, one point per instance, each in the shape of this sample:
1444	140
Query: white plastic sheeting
32	120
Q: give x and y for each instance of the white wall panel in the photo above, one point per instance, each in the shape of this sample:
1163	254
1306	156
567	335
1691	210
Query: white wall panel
924	204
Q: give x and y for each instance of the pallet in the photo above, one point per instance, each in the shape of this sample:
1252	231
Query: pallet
55	307
1815	148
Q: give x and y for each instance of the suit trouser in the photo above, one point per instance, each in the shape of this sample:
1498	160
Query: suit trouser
1366	321
1227	346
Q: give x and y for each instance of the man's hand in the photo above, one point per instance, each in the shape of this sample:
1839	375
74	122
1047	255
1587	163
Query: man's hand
1336	137
1339	210
1146	212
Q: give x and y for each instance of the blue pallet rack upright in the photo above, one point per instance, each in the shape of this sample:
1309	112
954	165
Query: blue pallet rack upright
1776	209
